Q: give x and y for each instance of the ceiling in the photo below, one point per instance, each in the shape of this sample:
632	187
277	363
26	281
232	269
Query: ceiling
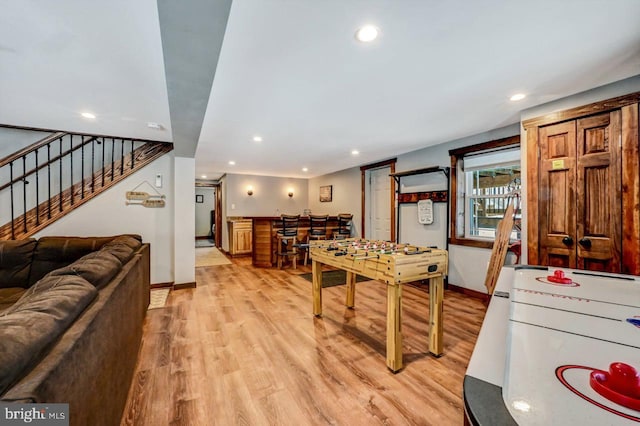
214	74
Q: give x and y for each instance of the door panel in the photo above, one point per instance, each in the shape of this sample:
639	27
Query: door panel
557	196
380	212
599	203
559	191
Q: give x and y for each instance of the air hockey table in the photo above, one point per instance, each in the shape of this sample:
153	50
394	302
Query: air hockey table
557	346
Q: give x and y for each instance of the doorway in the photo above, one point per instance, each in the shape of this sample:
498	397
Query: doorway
380	205
207	211
378	201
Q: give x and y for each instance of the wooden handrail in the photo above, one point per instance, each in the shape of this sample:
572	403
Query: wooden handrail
29	149
97	135
42	166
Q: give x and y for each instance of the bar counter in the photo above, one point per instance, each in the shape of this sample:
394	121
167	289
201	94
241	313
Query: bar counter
264	237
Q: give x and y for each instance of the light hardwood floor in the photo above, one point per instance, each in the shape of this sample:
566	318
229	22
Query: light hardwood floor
243	348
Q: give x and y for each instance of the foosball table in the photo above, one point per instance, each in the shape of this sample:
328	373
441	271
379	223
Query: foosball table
393	264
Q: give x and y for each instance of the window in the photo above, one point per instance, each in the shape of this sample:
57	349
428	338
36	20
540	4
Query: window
484	178
487	195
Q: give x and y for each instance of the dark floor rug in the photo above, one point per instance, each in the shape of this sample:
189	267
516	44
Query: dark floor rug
333	278
205	243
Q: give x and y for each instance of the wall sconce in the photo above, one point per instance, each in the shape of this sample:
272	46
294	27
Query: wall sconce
290	194
249	190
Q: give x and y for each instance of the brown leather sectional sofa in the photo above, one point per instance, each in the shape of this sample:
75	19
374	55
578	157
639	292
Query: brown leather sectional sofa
71	316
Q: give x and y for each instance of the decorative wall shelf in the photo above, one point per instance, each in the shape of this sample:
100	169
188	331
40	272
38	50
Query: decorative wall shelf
414	197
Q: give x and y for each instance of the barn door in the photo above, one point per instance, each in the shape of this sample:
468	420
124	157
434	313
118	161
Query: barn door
599	238
557	197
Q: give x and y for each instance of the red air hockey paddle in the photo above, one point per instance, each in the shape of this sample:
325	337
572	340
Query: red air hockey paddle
559	278
621	384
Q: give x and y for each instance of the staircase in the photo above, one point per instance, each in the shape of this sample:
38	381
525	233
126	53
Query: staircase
44	181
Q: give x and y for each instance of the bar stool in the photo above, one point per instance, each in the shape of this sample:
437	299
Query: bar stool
344	226
288	233
317	231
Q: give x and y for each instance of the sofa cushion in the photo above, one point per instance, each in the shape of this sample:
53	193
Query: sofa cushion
15	262
122	247
30	326
98	268
9	296
56	252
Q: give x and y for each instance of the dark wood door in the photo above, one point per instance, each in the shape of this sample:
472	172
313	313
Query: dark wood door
599	201
607	186
580	194
557	195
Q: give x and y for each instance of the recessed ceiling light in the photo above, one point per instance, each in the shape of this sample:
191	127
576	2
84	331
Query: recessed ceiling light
304	169
232	163
257	138
367	34
203	176
518	97
355	152
88	115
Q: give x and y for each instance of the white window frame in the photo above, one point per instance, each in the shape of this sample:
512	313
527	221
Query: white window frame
471	154
469	196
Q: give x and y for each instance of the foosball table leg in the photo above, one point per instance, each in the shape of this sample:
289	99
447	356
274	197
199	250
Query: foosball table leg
436	295
394	327
316	271
351	289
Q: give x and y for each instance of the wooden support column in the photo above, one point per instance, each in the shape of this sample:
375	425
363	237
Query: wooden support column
394	327
351	289
316	270
436	295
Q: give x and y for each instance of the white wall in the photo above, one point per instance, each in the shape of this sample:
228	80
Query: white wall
269	195
203	210
345	197
108	214
608	91
184	221
410	230
468	266
12	140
